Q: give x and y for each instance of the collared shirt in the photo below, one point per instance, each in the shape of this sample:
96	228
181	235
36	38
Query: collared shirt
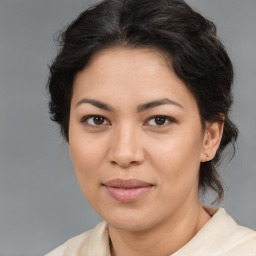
220	236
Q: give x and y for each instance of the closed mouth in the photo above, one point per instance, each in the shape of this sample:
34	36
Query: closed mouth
127	190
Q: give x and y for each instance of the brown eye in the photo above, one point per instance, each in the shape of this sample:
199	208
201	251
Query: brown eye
159	121
94	120
98	120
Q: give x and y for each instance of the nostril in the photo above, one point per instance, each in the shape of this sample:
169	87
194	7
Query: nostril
125	154
134	163
124	164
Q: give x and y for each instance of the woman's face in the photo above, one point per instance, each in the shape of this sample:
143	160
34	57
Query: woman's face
135	139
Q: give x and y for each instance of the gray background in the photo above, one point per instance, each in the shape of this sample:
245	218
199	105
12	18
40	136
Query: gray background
41	205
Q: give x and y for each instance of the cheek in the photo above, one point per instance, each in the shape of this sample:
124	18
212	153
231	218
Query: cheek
86	162
177	159
87	153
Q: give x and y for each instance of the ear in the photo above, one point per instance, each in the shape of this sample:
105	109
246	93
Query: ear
212	138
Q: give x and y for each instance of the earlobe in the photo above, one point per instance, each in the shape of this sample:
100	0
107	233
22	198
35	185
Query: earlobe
212	138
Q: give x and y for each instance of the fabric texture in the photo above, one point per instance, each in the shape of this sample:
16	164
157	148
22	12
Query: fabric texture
220	236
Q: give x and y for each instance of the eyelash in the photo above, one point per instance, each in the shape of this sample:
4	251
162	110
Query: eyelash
167	118
85	119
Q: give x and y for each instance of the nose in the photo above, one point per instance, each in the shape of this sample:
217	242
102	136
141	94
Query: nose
126	149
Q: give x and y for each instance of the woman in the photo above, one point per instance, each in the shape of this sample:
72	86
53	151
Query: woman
142	93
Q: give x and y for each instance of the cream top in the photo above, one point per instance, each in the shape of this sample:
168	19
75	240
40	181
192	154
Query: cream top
220	236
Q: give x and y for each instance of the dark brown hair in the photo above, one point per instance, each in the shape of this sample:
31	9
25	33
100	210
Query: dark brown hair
189	40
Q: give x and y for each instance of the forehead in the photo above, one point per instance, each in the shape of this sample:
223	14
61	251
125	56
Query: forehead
138	75
118	62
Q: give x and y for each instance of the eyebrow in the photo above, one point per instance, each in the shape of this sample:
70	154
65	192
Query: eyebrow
140	108
95	103
156	103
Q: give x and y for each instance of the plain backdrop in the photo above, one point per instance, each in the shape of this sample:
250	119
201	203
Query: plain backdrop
41	205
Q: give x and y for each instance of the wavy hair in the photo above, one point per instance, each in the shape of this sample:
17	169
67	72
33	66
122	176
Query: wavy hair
189	41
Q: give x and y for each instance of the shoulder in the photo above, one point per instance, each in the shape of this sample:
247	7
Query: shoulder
230	238
96	238
242	241
247	248
221	236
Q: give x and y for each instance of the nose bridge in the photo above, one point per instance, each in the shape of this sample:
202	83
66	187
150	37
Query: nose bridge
126	145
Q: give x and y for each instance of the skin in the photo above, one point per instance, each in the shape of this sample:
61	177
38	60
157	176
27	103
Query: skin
128	144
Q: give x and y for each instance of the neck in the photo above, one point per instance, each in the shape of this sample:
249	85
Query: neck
163	239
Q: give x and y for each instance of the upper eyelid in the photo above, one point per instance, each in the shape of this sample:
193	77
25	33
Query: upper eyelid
171	119
85	118
147	120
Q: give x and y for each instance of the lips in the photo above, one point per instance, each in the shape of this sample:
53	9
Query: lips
127	190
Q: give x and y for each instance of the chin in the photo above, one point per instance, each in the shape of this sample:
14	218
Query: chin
130	226
132	221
